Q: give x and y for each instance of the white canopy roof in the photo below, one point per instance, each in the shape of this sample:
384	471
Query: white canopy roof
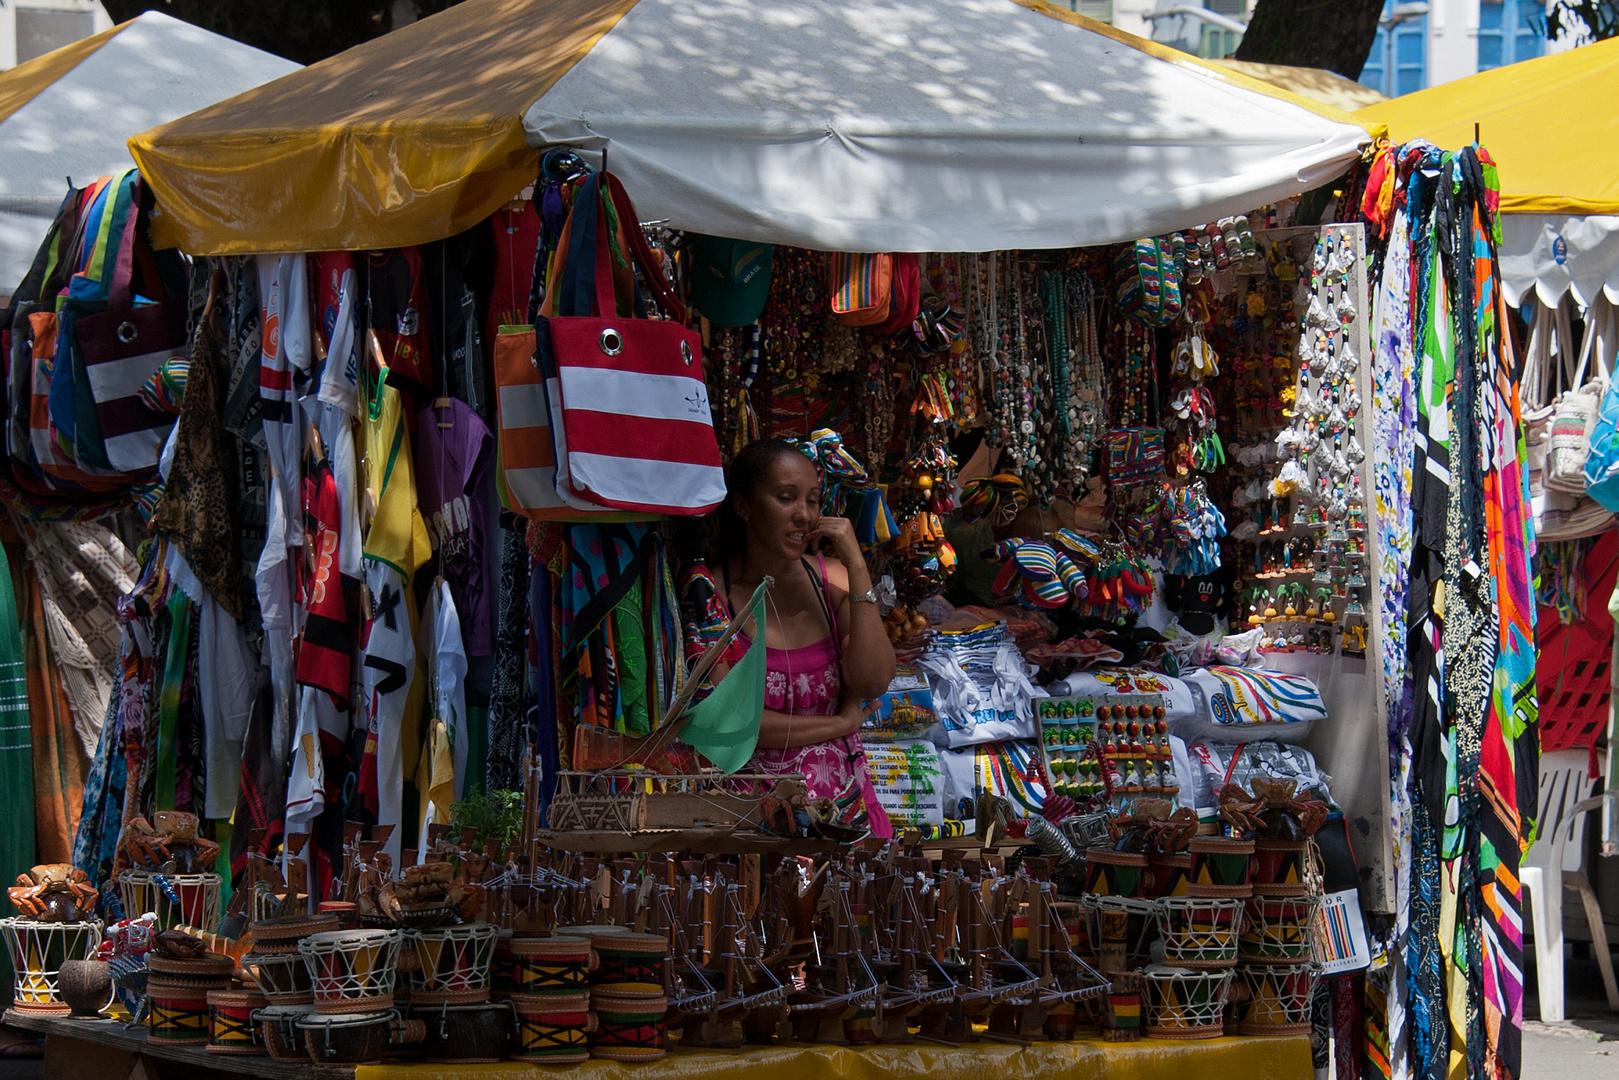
142	73
924	125
1552	254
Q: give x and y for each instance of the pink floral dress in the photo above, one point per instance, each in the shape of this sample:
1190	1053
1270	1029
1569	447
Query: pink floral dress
808	681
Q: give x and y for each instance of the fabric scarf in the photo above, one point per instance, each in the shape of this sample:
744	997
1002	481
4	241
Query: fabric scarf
198	509
16	742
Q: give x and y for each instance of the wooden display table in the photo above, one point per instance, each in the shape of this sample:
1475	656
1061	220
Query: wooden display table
1280	1058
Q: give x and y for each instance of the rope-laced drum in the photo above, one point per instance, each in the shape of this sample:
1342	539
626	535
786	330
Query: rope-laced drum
1184	1004
283	977
452	962
1122	922
1279	930
1200	931
37	950
1279	998
352	970
177	899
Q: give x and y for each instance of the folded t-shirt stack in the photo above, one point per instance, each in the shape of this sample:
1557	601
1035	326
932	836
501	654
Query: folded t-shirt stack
981	687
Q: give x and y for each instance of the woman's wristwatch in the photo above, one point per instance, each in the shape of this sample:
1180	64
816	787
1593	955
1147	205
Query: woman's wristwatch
867	597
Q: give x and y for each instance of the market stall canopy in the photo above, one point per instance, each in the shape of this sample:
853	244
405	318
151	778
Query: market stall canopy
889	125
1317	84
1552	127
70	113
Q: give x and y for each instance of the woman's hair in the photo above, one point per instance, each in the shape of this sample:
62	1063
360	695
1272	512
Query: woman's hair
742	478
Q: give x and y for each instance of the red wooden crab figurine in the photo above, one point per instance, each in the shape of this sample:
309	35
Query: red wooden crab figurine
54	892
172	847
1273	811
1149	825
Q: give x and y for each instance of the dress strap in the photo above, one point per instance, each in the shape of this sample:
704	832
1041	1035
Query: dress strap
824	595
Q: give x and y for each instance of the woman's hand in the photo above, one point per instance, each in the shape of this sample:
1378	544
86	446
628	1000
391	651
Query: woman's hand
845	546
856	710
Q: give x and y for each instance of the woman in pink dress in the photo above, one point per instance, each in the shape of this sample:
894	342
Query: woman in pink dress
827	654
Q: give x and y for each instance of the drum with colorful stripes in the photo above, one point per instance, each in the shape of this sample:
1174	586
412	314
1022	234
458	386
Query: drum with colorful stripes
629	1027
1279	867
630	963
554	1030
231	1025
1170	873
544	967
1220	866
179	1015
1115	873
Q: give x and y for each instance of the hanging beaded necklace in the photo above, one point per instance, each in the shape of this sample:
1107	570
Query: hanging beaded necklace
1087	381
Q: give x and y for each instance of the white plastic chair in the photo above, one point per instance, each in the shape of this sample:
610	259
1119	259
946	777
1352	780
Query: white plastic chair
1559	850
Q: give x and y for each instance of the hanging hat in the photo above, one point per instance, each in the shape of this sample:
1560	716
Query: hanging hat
729	278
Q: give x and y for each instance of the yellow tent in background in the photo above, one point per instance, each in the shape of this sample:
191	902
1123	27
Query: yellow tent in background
889	125
1551	124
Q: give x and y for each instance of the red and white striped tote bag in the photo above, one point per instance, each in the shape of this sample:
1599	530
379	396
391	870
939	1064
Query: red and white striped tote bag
635	414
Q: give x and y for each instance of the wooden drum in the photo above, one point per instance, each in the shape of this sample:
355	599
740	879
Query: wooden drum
1279	930
452	963
1200	931
1183	1003
37	951
547	967
629	1027
554	1029
1279	997
351	971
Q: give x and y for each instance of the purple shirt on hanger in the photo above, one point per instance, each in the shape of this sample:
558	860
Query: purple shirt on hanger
454	455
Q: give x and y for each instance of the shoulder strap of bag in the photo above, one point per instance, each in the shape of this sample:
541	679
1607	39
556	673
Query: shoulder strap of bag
95	264
1536	375
642	251
1565	339
1586	348
120	293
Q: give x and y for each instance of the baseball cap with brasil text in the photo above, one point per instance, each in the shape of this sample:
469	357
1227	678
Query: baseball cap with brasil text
729	278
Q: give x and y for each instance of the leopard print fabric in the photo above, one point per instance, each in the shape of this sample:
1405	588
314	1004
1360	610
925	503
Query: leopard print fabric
198	511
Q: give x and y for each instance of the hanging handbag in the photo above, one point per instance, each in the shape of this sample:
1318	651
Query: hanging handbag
120	347
1540	383
861	287
1572	423
1146	282
636	421
904	293
526	458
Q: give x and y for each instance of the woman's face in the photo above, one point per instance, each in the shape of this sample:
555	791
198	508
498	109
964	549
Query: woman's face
783	508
